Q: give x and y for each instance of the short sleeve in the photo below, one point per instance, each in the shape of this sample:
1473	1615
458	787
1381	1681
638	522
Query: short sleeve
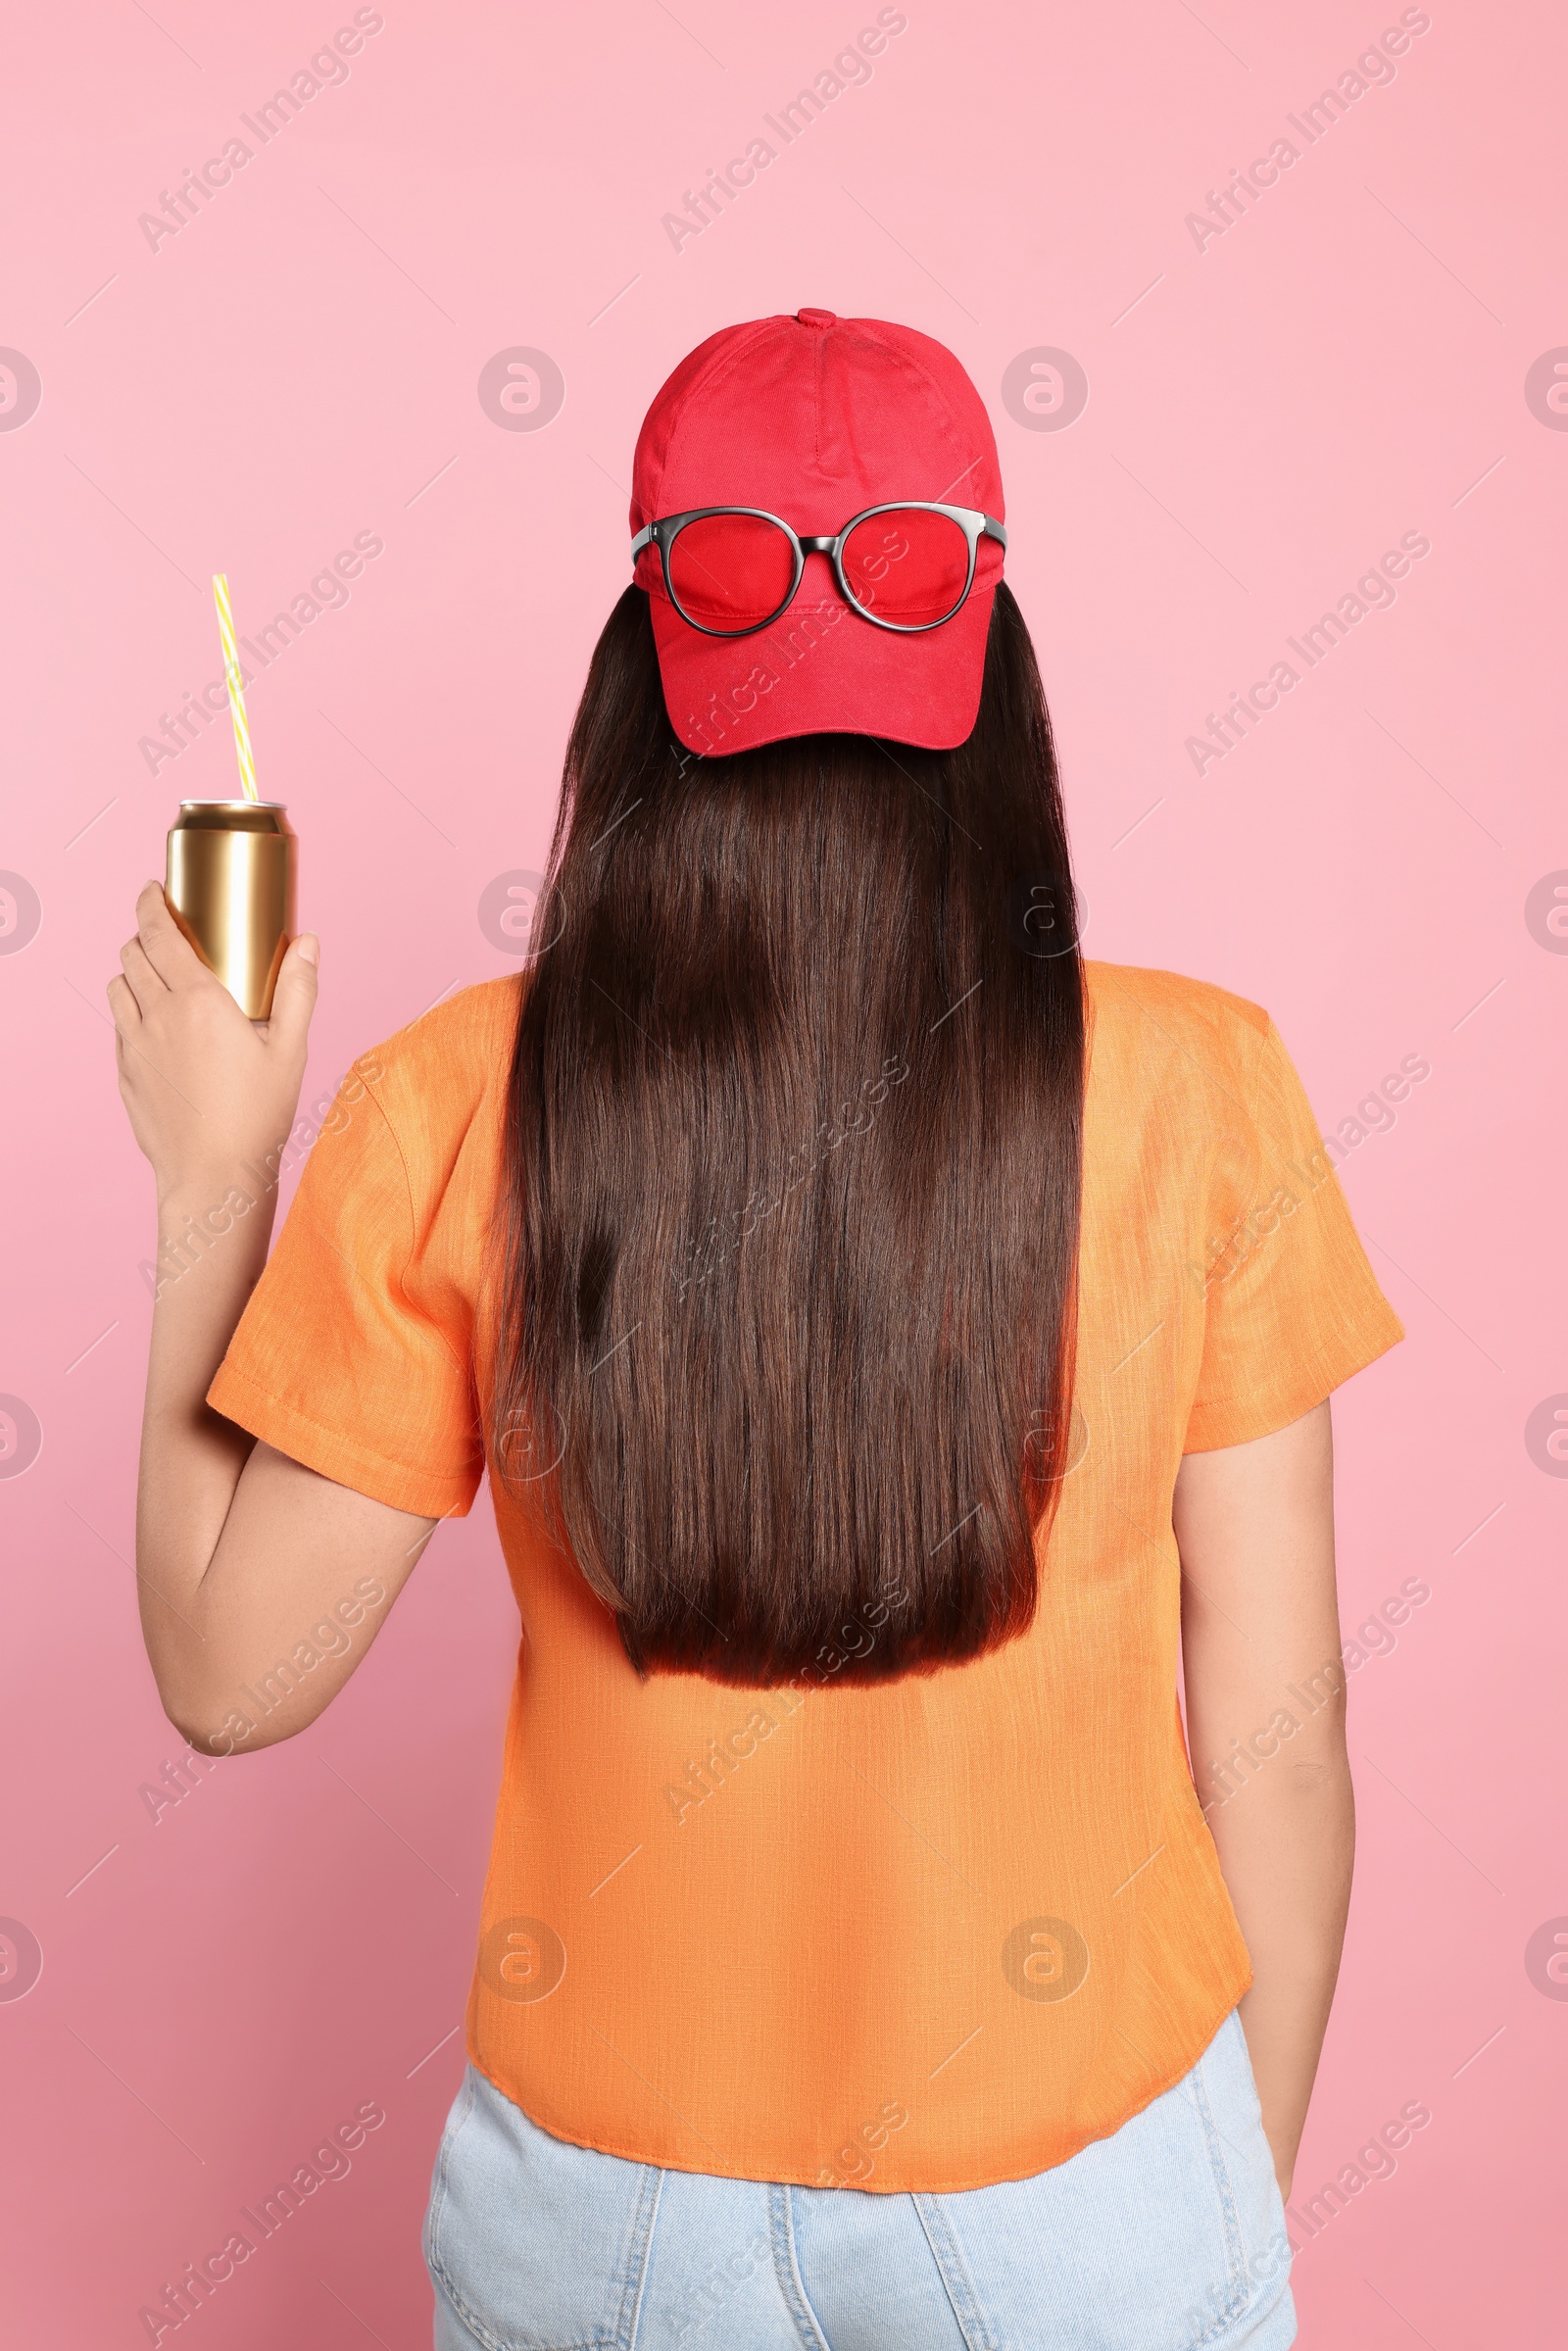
351	1356
1290	1306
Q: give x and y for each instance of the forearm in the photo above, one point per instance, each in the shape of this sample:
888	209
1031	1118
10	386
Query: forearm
191	1458
260	1583
1265	1731
1286	1839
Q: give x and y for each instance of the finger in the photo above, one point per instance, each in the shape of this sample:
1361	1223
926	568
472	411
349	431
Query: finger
123	1008
294	996
164	945
146	986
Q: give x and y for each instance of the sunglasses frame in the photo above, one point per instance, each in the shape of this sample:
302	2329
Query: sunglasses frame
974	524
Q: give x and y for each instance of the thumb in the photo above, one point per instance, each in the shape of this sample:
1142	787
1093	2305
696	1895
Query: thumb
294	996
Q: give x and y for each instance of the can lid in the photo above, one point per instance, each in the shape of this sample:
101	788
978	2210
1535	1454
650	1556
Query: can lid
233	804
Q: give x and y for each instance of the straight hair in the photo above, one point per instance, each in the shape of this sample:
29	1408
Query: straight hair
790	1203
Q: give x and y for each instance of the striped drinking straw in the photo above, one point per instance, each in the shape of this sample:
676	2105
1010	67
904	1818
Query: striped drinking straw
236	685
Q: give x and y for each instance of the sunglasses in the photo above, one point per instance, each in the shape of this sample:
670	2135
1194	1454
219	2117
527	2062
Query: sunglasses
732	570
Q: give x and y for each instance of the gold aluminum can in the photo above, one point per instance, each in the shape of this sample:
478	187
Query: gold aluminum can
230	884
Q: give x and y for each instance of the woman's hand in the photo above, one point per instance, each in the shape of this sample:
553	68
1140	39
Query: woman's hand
240	1550
205	1088
211	1099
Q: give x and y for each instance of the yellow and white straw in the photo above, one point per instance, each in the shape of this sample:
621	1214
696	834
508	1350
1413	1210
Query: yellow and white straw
236	685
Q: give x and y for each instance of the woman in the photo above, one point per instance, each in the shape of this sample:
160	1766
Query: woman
885	1335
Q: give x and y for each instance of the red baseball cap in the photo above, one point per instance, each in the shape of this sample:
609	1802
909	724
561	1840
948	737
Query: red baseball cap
813	418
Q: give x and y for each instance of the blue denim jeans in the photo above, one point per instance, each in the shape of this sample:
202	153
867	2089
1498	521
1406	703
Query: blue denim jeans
1166	2237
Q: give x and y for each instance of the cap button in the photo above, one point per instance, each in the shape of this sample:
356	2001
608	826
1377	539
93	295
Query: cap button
816	318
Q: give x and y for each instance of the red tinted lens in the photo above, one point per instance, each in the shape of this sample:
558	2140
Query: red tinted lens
731	572
906	566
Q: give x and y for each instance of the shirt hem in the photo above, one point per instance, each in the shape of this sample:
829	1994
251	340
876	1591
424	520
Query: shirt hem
909	2183
1238	1420
427	1494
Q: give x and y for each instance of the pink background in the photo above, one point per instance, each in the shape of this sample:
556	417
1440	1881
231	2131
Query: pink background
299	364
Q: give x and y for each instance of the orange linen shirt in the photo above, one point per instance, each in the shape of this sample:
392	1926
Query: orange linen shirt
925	1934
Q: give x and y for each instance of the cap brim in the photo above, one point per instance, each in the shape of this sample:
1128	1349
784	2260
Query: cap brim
822	669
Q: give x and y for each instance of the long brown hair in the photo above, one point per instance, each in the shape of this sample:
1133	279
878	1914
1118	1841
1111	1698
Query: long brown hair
791	1207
